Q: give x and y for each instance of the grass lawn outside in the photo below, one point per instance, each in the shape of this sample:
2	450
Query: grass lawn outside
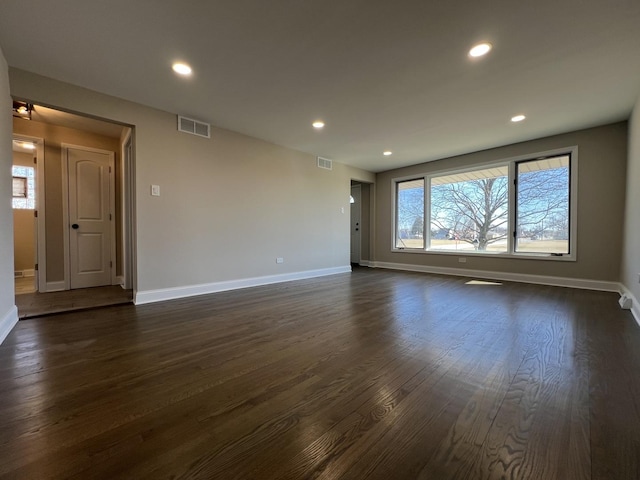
524	245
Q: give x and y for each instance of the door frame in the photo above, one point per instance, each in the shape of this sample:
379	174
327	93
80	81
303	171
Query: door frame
128	219
358	206
41	242
65	209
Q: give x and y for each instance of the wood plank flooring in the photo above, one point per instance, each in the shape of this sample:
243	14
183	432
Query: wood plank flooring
24	285
36	304
369	375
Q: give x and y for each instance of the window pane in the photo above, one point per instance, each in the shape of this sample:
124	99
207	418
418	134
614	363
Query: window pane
20	187
27	201
469	211
543	206
410	214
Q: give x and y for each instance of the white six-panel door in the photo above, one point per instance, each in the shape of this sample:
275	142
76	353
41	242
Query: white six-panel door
90	186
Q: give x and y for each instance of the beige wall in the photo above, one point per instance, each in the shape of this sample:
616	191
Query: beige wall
8	313
631	251
24	245
365	221
54	136
229	205
602	154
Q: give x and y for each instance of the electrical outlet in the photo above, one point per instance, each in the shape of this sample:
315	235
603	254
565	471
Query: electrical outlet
155	190
462	260
279	260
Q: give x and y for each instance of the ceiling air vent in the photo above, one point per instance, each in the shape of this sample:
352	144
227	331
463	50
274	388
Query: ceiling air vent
325	163
194	127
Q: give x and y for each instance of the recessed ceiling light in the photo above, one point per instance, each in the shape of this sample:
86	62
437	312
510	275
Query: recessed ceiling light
181	68
480	50
318	124
518	118
386	153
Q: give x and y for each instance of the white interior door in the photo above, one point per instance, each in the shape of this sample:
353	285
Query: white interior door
35	250
90	191
356	230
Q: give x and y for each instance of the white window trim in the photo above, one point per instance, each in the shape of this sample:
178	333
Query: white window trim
511	253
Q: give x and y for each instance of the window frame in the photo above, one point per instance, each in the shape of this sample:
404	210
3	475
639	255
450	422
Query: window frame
25	187
510	163
395	214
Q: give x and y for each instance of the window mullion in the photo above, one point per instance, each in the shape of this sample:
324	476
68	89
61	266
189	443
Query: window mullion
511	207
427	213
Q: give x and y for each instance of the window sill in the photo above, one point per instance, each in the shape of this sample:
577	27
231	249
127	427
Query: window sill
469	253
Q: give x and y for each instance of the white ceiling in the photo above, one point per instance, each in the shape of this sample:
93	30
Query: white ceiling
382	74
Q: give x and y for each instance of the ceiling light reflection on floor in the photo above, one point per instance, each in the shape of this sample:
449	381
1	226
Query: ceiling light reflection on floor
482	282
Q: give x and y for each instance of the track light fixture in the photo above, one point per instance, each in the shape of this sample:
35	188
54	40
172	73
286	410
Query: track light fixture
22	110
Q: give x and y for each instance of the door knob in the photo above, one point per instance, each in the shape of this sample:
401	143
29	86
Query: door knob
75	226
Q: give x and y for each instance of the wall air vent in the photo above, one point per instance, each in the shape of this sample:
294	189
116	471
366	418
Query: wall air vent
325	163
194	127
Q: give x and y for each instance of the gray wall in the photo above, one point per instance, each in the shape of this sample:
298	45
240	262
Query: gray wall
365	221
229	205
7	306
602	155
631	251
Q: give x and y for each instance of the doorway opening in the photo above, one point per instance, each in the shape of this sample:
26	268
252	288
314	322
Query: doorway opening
360	201
81	252
26	173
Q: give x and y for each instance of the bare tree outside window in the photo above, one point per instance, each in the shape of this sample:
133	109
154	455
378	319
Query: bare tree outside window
472	208
543	205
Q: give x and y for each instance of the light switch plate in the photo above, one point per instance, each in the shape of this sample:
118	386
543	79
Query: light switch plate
155	190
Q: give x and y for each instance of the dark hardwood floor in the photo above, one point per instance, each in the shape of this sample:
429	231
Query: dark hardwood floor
369	375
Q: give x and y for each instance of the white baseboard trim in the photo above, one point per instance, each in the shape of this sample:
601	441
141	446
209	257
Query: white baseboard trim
507	277
365	263
55	286
8	322
635	306
150	296
119	281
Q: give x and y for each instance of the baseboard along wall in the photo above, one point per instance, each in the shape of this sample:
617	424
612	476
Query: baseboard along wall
7	322
151	296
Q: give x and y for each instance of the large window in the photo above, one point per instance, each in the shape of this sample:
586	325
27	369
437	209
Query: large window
515	207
